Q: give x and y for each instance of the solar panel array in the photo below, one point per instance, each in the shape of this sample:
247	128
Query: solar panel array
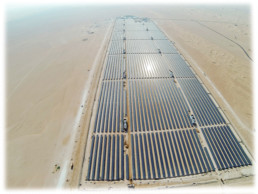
115	66
178	66
224	147
148	83
203	107
106	158
117	47
146	66
110	108
168	154
157	66
157	104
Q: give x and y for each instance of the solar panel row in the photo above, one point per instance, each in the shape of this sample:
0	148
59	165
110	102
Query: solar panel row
151	26
157	35
114	68
109	114
133	25
204	109
119	35
134	35
165	46
146	66
138	35
119	25
156	66
141	47
149	46
106	161
117	47
225	148
156	105
144	35
168	154
178	65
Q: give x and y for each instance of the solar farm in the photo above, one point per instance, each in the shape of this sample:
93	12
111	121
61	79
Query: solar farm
154	123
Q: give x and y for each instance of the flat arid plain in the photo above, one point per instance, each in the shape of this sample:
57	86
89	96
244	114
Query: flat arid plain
54	61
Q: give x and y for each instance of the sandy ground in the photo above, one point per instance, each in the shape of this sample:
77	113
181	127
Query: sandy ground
50	57
49	63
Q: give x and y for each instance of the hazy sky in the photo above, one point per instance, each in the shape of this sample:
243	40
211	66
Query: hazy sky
14	12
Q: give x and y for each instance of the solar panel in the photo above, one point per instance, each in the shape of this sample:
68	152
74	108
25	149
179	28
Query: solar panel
114	67
156	104
140	46
109	115
172	155
225	148
204	109
112	170
116	47
146	66
178	66
165	46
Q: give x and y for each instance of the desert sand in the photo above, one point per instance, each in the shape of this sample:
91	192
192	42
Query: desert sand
53	61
